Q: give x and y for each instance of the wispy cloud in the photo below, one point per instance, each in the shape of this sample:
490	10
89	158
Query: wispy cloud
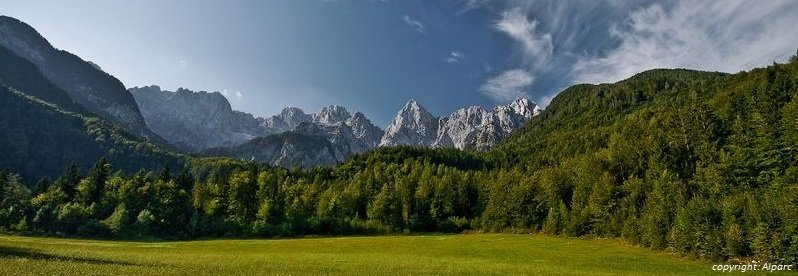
562	43
454	57
507	86
724	36
536	47
415	24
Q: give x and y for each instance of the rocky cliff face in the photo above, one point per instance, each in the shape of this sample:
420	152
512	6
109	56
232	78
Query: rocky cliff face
331	115
196	120
328	137
85	83
466	128
287	120
289	149
413	125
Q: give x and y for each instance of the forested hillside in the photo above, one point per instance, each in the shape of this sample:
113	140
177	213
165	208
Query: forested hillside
695	162
40	138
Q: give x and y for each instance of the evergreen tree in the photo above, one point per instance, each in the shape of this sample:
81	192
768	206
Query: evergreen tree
93	187
69	180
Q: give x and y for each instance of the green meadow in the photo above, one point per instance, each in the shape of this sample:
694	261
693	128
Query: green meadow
470	254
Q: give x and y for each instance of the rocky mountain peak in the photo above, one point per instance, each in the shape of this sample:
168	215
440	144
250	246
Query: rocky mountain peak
292	112
414	107
195	120
413	125
525	107
357	120
288	119
466	128
331	115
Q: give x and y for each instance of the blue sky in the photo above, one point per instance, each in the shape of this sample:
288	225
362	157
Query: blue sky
374	55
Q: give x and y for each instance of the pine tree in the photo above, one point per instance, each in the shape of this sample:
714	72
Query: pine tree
165	174
41	186
68	182
185	180
93	187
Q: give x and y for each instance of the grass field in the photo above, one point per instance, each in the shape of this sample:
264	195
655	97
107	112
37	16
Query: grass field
475	254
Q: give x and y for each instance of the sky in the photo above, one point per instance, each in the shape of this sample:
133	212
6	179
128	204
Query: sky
374	55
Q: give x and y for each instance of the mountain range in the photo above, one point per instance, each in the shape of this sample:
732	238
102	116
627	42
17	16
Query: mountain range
84	82
205	122
466	128
158	125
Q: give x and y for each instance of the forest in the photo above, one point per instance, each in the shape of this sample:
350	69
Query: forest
699	163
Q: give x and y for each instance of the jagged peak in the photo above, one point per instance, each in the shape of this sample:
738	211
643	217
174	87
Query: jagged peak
152	87
334	109
148	88
360	119
524	107
292	110
470	109
412	106
331	114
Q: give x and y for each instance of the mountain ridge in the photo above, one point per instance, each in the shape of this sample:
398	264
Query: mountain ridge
83	81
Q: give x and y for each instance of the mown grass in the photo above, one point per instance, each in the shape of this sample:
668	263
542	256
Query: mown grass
472	254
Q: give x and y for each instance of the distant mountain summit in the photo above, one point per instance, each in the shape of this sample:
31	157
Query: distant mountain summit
196	121
466	128
331	115
83	81
287	120
413	125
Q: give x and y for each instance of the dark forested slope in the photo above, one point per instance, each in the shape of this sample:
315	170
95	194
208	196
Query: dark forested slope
40	139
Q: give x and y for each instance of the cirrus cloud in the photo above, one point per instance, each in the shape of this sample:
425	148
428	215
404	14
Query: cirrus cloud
415	24
536	47
562	43
454	57
726	36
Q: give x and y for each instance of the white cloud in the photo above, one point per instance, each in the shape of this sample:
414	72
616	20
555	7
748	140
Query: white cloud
183	63
508	86
724	36
468	5
536	47
239	95
417	25
454	57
